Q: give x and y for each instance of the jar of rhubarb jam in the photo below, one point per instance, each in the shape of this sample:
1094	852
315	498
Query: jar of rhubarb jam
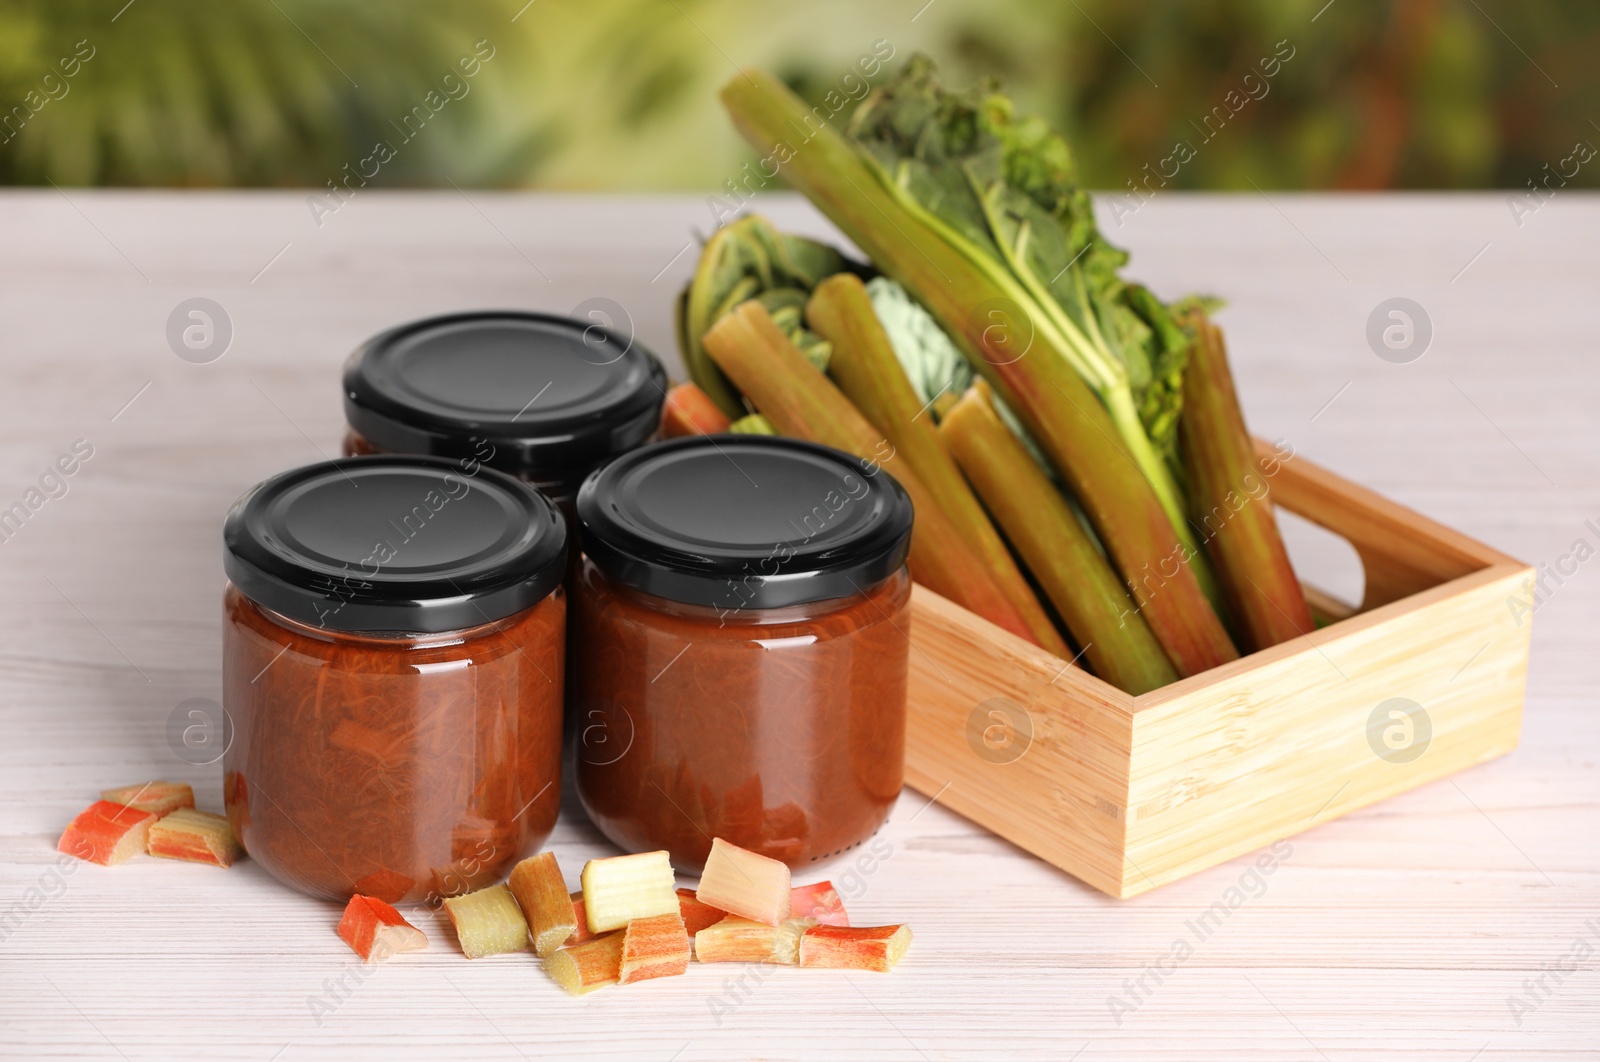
393	638
742	611
545	398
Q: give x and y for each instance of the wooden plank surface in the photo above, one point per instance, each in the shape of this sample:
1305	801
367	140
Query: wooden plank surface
1459	921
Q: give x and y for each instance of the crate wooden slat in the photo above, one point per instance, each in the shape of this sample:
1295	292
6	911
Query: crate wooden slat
1128	793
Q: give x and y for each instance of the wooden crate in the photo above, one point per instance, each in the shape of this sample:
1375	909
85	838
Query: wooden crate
1128	793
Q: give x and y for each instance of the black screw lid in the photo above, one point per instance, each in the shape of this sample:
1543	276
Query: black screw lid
744	521
554	396
394	543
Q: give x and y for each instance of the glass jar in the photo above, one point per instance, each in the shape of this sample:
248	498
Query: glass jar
545	398
743	612
393	640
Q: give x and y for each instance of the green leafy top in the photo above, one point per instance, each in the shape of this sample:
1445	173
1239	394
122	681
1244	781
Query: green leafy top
1005	187
749	259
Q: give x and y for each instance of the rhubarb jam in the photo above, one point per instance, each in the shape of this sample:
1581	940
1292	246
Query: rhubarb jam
393	642
743	613
545	398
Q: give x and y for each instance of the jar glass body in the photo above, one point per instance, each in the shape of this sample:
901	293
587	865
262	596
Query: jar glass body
560	487
780	730
407	767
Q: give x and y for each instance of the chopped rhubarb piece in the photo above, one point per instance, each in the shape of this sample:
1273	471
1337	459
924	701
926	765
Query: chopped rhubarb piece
107	833
158	798
375	931
786	941
819	902
542	894
622	888
854	947
744	883
582	933
488	922
697	915
736	939
587	966
654	947
195	836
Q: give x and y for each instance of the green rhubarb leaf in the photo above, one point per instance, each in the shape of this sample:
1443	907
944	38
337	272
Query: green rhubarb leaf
1004	191
747	259
932	362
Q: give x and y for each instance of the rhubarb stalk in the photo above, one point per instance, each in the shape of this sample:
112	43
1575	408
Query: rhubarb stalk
107	833
194	836
540	891
820	902
585	967
158	798
690	411
696	915
653	947
1030	371
488	922
582	933
876	948
866	369
745	883
619	889
1039	522
800	401
736	939
375	930
1229	503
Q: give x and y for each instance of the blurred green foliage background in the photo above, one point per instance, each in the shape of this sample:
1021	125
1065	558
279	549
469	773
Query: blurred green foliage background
621	94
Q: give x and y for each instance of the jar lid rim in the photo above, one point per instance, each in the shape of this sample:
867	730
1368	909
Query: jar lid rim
544	392
394	544
745	521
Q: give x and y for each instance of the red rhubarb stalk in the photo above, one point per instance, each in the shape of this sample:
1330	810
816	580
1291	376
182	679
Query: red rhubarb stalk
1046	532
1229	502
690	411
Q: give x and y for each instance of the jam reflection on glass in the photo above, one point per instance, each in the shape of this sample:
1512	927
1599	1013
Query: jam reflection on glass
406	767
779	730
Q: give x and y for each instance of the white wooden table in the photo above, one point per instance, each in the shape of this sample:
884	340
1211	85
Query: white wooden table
1404	931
